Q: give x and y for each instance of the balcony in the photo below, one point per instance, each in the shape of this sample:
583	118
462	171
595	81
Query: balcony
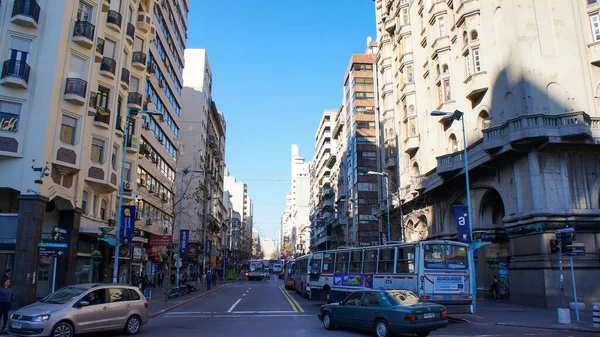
26	13
83	34
130	33
105	5
476	85
102	118
532	127
118	126
108	67
144	22
212	141
138	60
134	100
93	103
113	20
327	203
15	74
390	161
450	163
132	145
125	78
411	144
75	90
331	161
99	50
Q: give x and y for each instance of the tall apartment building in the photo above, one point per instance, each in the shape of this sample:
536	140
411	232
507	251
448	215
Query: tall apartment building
73	71
529	101
241	204
361	145
203	149
321	203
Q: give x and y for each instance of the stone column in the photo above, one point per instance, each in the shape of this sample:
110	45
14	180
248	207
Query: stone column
69	220
32	209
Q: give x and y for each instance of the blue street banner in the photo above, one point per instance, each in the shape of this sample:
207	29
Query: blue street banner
184	235
383	239
127	224
461	215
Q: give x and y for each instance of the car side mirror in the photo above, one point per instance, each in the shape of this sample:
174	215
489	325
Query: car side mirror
342	303
84	303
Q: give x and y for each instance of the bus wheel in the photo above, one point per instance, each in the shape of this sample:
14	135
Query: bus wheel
328	295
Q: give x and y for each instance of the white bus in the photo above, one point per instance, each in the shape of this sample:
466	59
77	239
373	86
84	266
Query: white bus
438	271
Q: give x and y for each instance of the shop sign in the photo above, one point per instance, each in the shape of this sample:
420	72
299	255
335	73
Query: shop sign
159	240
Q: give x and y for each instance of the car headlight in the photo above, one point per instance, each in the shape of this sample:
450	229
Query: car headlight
40	318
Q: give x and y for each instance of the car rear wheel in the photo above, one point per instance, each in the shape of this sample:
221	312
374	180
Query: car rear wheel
382	329
328	321
133	325
63	329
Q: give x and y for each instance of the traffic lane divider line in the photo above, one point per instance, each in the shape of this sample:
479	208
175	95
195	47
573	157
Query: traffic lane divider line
158	313
286	295
558	328
292	299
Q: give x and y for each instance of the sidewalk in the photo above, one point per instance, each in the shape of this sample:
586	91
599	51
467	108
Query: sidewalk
504	313
158	304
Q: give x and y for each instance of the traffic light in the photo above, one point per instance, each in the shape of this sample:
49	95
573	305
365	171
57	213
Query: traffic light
566	239
554	248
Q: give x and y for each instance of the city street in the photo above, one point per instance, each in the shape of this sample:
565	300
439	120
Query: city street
265	309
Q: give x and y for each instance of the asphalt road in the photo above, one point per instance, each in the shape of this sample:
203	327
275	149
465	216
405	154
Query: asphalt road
265	309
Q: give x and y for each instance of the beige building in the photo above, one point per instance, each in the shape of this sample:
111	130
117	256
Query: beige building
525	75
87	64
241	205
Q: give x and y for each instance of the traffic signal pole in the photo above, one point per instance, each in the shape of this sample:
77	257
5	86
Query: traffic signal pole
560	273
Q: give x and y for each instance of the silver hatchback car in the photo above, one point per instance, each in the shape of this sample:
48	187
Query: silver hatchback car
82	308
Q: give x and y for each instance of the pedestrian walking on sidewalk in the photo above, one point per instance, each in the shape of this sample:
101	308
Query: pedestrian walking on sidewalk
161	277
6	296
209	280
494	287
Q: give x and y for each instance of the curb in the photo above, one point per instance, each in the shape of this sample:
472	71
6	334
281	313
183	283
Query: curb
568	328
158	313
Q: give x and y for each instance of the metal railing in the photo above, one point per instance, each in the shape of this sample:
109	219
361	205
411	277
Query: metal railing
76	86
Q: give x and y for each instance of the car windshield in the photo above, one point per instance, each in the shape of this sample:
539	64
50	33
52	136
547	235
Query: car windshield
402	297
63	296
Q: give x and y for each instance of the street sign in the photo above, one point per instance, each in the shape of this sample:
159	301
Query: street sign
178	264
52	248
575	249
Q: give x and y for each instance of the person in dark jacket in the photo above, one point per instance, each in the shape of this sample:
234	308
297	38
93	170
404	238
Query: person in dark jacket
209	280
6	296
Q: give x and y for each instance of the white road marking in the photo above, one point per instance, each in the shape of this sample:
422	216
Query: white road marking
191	312
264	312
244	295
242	316
234	304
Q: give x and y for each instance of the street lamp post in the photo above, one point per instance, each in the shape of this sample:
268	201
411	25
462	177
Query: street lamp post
130	112
387	197
178	263
456	115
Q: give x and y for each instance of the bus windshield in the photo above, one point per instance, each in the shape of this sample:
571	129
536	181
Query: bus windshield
255	266
445	256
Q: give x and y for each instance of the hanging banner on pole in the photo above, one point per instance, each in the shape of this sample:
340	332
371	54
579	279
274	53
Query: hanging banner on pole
127	224
184	235
461	215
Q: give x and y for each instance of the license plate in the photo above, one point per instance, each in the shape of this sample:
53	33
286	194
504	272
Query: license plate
429	315
16	325
447	297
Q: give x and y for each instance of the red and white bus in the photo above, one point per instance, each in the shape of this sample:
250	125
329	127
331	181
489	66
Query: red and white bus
437	270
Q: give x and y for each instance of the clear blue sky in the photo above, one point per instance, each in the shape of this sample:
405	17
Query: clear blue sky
277	64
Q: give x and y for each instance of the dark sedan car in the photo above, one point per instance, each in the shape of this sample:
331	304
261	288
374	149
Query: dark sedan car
387	312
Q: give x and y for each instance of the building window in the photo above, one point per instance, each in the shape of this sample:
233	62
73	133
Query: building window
595	21
127	175
409	74
447	90
77	67
95	205
465	38
109	48
114	158
68	130
10	114
84	12
476	60
405	17
468	63
412	127
19	51
103	205
415	172
103	95
591	2
441	27
84	202
453	143
445	69
484	120
474	35
97	153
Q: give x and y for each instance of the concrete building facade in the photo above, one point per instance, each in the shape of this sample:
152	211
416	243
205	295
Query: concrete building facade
532	125
242	216
87	64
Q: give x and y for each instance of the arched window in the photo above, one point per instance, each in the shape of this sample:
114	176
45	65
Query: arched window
465	37
405	110
84	202
103	210
484	120
474	35
453	143
411	109
437	69
415	172
445	69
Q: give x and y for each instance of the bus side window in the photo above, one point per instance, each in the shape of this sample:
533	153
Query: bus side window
341	264
356	261
406	260
370	265
386	261
328	262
